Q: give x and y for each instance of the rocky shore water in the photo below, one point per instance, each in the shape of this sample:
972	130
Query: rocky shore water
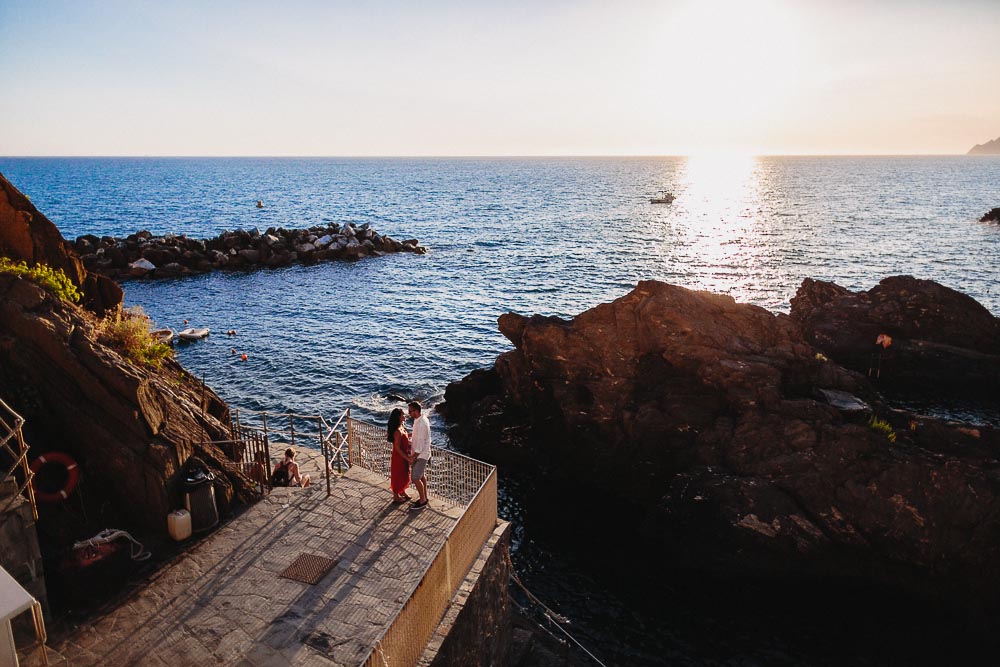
145	256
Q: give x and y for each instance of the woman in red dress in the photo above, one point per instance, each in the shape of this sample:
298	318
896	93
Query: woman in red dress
399	462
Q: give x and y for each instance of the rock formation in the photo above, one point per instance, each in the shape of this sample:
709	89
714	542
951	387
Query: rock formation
992	216
716	433
26	234
142	255
989	148
129	426
942	341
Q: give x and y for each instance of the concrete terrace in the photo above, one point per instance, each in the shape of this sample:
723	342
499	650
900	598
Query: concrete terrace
223	602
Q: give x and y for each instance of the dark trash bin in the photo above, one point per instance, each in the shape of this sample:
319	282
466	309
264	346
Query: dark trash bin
199	499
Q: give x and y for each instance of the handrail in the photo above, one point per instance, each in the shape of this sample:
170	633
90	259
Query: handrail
318	429
19	458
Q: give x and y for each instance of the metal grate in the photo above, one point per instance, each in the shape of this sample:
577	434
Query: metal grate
309	568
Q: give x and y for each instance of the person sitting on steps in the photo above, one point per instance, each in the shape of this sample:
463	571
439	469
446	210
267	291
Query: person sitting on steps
286	472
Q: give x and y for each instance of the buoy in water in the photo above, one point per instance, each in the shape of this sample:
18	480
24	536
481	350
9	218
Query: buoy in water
260	204
232	350
244	357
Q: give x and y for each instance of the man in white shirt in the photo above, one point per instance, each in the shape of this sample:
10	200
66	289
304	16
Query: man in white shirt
420	442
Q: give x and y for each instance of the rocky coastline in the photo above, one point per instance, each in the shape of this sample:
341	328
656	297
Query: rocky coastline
718	437
130	426
146	256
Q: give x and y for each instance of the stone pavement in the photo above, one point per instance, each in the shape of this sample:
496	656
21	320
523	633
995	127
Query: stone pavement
223	603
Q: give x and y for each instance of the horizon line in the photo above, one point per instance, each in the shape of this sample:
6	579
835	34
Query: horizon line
484	156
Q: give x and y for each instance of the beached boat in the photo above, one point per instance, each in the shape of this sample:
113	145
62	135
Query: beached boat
165	336
664	198
193	333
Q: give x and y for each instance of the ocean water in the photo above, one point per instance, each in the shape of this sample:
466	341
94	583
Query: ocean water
543	235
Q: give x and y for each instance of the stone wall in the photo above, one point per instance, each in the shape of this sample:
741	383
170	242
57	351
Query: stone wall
476	629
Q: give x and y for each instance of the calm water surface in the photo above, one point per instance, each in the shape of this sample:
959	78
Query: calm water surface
549	236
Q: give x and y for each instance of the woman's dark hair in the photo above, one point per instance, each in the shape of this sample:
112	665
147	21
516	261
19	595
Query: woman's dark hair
395	419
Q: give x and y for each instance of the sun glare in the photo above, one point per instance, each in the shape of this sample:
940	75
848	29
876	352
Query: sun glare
730	66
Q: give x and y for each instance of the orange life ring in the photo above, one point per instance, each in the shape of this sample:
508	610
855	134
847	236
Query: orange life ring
72	476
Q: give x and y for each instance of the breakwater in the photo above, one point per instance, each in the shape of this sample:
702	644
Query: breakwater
143	255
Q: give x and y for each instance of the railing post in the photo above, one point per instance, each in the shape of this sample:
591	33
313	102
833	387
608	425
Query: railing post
326	459
291	428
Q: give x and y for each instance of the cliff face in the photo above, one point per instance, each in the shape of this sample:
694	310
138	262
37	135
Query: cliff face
130	427
726	434
26	234
942	341
989	148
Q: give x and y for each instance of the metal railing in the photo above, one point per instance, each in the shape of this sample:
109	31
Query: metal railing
450	475
454	478
285	428
12	446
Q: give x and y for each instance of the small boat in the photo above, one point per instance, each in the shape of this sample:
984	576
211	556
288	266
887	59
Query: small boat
165	336
664	198
193	333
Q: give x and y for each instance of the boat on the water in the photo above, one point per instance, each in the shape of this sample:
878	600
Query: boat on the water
165	336
193	333
664	198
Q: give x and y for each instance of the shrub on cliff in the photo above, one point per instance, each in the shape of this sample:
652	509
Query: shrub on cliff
53	280
128	331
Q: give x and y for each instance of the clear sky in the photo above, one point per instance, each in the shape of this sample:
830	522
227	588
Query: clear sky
673	77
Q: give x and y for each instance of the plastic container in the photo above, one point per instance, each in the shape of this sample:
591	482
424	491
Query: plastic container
179	525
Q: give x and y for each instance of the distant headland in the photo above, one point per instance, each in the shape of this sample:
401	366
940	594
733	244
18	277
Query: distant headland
989	148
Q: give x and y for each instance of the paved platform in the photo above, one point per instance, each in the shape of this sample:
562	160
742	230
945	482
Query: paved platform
223	602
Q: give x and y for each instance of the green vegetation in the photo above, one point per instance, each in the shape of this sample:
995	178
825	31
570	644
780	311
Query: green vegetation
53	280
129	332
883	427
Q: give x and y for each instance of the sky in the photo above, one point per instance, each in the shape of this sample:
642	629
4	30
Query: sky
440	77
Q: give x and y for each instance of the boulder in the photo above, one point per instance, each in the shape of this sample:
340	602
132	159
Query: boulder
140	267
940	341
699	421
992	216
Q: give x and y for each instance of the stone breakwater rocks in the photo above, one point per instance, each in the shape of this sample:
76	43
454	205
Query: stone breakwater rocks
992	216
143	255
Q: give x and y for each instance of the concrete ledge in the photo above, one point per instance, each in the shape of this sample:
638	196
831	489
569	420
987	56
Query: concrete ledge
476	628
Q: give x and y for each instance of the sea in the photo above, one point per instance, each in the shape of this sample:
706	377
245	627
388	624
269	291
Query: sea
553	236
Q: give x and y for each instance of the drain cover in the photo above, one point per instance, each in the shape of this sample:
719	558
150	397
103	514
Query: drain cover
309	568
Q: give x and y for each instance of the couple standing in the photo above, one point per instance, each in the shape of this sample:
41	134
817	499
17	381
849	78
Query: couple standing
410	454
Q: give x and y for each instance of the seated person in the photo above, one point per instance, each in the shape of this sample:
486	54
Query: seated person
286	472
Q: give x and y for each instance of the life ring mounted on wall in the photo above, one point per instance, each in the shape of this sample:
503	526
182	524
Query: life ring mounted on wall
61	475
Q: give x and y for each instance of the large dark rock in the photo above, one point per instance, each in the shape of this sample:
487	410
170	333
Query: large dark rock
942	340
26	234
703	429
993	215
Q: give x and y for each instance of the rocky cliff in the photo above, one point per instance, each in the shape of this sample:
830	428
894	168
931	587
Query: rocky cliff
26	234
130	426
715	434
989	148
940	341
